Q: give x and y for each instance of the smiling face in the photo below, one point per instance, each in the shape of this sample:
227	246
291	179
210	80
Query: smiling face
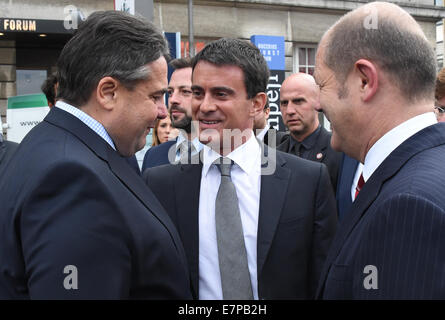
337	104
138	109
298	99
220	101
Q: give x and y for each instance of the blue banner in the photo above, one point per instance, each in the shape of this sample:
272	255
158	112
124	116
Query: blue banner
272	48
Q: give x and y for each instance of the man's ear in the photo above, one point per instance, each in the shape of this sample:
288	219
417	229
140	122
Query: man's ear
258	103
368	77
107	92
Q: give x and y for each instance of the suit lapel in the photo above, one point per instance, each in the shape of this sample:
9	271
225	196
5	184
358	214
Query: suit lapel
187	190
427	138
272	198
318	152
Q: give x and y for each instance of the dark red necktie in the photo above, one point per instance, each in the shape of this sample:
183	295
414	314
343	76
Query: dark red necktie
360	185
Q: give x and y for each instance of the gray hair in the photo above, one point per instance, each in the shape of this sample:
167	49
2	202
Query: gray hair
108	43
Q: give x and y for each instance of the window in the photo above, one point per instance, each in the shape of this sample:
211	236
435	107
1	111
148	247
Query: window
304	59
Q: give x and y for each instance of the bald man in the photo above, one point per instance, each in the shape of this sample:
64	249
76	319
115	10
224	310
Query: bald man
377	86
299	96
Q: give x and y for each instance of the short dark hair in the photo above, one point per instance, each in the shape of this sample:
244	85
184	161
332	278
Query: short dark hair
108	43
242	54
440	84
406	56
48	88
181	63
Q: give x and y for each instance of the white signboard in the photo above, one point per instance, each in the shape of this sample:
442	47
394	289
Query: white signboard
22	120
124	5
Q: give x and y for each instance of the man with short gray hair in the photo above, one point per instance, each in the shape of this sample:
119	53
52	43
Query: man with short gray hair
377	89
77	221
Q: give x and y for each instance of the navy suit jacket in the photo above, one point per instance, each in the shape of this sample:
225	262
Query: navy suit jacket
345	179
394	235
157	155
68	199
297	220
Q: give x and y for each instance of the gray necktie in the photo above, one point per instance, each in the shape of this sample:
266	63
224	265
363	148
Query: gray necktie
235	277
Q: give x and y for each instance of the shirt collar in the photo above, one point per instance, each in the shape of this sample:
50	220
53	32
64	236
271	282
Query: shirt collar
394	138
245	156
92	123
262	133
195	142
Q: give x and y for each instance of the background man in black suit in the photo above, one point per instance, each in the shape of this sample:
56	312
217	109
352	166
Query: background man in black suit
7	149
77	221
286	208
299	95
376	71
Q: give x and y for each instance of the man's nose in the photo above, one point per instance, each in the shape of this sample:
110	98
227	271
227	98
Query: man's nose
162	111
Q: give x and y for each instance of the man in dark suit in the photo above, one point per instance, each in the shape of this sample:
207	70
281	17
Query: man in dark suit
7	149
391	244
180	111
77	221
299	95
284	209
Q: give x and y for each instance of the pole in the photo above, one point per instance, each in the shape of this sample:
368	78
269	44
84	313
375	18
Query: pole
191	38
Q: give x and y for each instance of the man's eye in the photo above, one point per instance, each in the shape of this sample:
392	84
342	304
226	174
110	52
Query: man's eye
186	92
157	97
169	93
283	103
196	93
221	94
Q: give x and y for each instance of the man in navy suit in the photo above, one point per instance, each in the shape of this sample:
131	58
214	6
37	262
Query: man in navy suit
286	205
347	182
180	109
376	71
77	221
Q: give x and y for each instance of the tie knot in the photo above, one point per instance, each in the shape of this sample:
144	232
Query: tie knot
224	165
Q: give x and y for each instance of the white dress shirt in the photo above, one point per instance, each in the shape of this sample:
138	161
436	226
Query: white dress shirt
246	176
196	145
394	138
262	133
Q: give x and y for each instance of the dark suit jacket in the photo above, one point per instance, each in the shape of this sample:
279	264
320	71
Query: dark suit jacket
133	162
345	179
297	220
279	135
68	199
7	149
330	157
157	155
396	224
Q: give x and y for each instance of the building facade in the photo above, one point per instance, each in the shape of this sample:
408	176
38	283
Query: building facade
33	32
